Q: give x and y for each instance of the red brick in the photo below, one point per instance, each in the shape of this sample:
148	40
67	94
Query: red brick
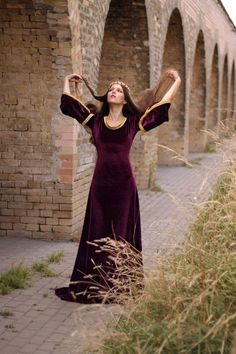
51	221
62	214
32	227
7	212
9	219
65	222
66	229
15	233
46	213
19	226
32	220
45	228
6	226
62	200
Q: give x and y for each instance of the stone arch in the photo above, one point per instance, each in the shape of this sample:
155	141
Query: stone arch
224	92
125	56
213	97
197	98
172	134
125	52
232	93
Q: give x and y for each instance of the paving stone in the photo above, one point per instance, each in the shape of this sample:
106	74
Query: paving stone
9	350
29	348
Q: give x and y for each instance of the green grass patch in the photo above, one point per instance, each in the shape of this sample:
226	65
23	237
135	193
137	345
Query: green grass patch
189	303
209	148
17	277
6	313
56	257
20	276
43	269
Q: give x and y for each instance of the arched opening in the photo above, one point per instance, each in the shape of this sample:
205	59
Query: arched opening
224	93
125	56
197	99
213	97
232	93
171	135
125	51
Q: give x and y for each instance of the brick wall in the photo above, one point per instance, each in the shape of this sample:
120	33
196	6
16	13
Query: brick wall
197	116
34	47
232	93
46	160
224	92
213	98
171	135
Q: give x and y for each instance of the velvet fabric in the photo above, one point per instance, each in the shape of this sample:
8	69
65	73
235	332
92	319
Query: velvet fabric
113	204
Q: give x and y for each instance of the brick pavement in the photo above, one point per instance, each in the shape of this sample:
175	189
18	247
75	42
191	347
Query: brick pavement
41	323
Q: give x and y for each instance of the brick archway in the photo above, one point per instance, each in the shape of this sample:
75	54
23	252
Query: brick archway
172	134
125	56
224	92
125	51
213	97
232	93
197	98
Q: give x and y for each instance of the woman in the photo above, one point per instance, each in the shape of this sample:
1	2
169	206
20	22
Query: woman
113	205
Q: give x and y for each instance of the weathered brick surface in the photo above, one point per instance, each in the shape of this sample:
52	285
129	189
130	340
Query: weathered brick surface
30	32
46	160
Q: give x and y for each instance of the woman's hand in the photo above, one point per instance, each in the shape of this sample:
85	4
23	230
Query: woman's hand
75	78
173	75
71	78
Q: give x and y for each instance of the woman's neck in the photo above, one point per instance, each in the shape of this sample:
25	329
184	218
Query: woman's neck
115	112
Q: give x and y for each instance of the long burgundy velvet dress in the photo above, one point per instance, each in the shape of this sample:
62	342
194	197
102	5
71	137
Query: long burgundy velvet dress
113	205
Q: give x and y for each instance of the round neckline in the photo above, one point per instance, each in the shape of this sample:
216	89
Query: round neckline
115	127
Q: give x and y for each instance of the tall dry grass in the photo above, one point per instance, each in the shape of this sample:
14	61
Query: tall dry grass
189	303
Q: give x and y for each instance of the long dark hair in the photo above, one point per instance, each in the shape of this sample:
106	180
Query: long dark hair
146	99
130	107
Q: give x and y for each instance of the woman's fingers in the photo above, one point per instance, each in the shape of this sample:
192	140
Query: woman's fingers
172	74
75	77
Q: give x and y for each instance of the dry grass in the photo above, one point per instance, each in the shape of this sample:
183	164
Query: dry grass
122	275
189	303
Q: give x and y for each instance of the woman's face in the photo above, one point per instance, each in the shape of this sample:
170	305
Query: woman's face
116	95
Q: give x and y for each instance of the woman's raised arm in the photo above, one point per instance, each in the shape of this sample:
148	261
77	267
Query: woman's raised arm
169	95
72	106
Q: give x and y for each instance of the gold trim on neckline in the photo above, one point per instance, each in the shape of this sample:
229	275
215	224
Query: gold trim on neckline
116	127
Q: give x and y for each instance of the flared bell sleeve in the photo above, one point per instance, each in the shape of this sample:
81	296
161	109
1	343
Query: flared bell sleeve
154	116
73	107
